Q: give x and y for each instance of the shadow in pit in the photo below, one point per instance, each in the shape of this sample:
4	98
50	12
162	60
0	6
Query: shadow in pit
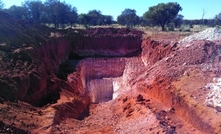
9	129
85	113
68	66
50	98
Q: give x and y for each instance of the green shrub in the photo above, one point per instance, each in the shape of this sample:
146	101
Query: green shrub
171	26
185	28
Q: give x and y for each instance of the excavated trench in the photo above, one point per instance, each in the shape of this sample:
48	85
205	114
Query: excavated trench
103	79
97	75
126	65
52	77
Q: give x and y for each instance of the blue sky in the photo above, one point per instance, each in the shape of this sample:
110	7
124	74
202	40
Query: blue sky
192	9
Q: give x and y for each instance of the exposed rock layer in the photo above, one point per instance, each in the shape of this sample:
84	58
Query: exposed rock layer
108	42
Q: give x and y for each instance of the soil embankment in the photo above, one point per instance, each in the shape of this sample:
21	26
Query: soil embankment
179	77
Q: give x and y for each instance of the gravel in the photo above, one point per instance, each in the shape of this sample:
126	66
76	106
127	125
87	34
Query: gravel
208	34
213	99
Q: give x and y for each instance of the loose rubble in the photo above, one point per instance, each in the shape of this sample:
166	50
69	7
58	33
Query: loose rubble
211	34
213	99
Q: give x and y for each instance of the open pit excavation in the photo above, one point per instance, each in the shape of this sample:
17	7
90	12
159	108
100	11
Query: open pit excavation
106	80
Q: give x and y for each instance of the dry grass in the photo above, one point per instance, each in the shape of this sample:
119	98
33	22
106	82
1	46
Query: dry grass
157	34
177	34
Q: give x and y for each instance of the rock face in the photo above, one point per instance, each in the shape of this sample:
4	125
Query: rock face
97	76
32	70
108	42
102	67
153	51
100	90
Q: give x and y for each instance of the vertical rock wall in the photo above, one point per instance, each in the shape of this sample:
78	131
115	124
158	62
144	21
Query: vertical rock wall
46	60
105	78
96	76
31	78
153	51
100	90
103	67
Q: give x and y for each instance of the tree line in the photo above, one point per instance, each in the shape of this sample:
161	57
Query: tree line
55	12
61	14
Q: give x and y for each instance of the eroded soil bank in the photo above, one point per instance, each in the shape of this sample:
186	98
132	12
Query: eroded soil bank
105	81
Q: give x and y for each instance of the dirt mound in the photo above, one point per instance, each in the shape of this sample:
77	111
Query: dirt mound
208	34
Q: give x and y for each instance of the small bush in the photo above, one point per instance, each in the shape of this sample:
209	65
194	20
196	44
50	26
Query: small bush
171	26
185	28
217	26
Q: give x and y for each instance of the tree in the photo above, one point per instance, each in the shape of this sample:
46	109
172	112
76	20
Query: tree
143	22
72	15
51	2
19	12
204	12
218	19
35	10
108	19
178	20
2	5
61	13
84	19
162	13
96	17
128	17
56	12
